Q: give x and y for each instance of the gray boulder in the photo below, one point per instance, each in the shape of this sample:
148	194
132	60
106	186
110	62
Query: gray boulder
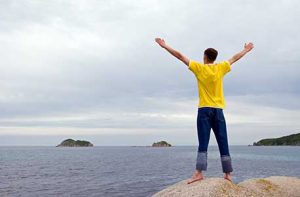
275	186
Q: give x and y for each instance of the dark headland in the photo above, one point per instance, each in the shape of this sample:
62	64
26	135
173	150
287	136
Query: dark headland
73	143
290	140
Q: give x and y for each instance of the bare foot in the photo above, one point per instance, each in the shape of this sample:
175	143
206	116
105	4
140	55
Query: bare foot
196	177
227	176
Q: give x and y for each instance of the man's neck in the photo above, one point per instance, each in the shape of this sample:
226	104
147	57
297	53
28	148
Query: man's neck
208	62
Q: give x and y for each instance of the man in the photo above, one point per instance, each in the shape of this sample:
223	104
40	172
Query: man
209	76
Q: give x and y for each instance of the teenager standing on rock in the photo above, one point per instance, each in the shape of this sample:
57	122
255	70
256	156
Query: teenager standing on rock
209	76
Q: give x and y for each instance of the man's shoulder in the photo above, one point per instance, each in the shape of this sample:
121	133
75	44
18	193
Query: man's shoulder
195	66
195	62
225	62
224	66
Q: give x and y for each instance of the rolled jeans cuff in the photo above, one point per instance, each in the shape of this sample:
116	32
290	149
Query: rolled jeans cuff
201	164
226	163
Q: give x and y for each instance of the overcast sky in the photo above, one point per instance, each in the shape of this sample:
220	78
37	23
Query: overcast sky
91	70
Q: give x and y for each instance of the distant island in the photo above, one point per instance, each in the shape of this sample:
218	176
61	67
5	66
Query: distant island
73	143
290	140
161	144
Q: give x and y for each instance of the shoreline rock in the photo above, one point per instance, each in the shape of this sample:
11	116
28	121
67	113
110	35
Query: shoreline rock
73	143
161	144
275	186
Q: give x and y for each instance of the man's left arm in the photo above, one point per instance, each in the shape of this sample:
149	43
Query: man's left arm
247	48
172	51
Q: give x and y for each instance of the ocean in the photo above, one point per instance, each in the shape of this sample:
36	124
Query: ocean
128	171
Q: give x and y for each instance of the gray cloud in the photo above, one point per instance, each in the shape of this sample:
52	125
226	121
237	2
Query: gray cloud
70	59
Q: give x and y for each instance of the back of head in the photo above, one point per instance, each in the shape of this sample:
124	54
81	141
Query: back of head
211	54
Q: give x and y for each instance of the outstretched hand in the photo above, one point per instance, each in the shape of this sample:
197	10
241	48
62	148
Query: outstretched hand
172	51
248	47
161	42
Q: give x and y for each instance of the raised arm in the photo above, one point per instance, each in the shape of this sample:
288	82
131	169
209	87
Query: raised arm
172	51
247	47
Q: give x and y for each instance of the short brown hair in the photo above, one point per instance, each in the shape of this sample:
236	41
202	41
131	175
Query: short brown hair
211	54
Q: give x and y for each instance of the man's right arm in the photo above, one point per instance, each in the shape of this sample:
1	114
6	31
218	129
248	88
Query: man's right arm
172	51
247	47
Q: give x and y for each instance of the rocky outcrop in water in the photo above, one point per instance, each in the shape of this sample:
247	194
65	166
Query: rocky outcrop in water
275	186
73	143
161	144
290	140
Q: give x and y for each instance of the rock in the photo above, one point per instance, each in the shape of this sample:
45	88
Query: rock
290	140
275	186
161	144
73	143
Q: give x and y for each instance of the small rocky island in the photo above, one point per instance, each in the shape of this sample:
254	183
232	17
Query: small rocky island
290	140
161	144
73	143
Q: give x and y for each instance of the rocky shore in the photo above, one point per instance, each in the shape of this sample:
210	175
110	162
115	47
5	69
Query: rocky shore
275	186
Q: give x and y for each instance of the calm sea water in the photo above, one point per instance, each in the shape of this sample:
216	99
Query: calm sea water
127	171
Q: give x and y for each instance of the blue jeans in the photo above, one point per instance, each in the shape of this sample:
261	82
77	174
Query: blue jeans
212	118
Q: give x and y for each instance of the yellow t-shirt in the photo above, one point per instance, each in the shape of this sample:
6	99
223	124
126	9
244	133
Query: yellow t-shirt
210	82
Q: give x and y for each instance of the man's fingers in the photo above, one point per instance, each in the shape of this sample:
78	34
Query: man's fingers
158	39
250	43
249	46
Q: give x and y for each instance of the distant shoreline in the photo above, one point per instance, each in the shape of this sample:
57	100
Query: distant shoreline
288	140
143	146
